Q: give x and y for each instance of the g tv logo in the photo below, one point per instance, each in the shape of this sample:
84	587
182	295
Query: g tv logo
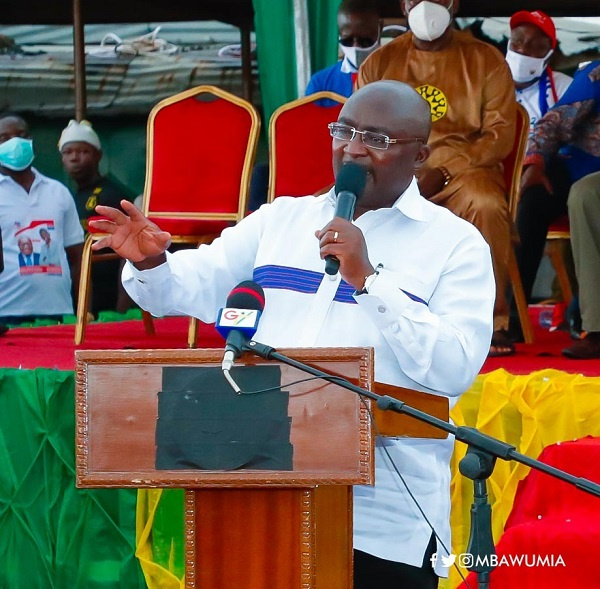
231	317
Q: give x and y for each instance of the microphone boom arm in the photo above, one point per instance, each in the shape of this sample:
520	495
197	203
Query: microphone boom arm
477	465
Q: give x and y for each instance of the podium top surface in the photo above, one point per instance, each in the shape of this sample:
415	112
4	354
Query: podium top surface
122	441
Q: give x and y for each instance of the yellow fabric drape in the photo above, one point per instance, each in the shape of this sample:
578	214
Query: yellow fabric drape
160	537
529	412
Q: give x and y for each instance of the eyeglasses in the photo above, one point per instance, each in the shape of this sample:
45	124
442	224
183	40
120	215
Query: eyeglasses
362	42
369	138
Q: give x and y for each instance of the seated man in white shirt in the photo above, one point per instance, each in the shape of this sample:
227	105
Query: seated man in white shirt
415	282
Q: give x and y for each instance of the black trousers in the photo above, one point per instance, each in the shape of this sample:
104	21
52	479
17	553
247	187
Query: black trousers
536	212
16	320
371	572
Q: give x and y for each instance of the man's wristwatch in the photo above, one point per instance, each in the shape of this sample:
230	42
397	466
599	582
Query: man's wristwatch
446	174
369	281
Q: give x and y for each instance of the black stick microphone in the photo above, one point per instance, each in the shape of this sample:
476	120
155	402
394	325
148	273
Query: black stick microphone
349	187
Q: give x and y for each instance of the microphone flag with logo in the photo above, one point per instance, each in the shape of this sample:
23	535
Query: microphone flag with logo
238	321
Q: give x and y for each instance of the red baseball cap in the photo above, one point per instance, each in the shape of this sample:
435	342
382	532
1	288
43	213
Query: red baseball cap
537	18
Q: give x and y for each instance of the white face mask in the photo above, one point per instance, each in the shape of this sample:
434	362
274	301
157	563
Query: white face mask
524	68
428	21
354	56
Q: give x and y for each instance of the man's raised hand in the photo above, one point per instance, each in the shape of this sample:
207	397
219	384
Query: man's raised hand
130	234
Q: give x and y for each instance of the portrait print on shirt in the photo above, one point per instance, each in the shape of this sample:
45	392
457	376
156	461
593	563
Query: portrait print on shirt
38	252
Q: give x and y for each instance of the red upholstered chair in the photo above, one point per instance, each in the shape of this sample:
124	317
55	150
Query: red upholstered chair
300	145
512	177
201	145
560	231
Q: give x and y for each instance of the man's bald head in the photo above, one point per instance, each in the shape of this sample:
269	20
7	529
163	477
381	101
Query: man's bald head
397	102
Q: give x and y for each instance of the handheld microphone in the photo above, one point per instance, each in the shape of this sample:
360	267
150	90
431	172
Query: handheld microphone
238	321
349	187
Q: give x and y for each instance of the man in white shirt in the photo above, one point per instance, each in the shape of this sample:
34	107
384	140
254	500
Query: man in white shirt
415	282
35	211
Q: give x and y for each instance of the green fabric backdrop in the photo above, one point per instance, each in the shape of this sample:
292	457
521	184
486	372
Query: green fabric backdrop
274	22
52	535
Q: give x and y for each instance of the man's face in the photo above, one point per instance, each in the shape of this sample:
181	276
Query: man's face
527	39
80	160
390	170
358	30
25	246
12	127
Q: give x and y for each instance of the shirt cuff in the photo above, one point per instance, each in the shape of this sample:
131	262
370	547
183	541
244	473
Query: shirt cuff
385	301
156	274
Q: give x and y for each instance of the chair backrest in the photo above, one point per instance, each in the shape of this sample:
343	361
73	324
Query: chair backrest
300	145
201	145
513	162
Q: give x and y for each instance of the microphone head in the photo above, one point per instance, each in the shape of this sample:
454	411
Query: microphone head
351	178
247	295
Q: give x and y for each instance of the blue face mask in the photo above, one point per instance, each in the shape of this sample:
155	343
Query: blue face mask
16	154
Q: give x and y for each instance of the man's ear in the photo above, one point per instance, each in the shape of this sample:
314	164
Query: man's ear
422	156
403	8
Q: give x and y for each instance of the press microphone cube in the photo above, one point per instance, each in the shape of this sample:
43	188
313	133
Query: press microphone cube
237	326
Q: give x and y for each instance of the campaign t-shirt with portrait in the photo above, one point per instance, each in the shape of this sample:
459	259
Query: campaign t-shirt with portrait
37	226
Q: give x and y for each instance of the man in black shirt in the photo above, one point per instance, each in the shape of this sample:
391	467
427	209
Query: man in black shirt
81	152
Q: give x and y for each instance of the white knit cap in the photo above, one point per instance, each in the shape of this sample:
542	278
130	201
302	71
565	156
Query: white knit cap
82	131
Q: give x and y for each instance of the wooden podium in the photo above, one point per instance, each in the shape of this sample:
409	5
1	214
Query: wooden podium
256	529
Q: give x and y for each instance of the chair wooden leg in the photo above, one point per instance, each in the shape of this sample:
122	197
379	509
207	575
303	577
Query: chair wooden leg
83	295
192	332
521	302
148	323
556	257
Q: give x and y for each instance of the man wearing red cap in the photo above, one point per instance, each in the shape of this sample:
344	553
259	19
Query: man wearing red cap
532	43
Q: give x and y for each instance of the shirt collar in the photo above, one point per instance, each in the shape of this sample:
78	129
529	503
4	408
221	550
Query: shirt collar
39	177
348	67
410	203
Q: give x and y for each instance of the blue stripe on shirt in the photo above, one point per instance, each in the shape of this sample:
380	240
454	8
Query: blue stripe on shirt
306	281
298	280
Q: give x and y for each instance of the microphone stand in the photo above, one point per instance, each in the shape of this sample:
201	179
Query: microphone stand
477	465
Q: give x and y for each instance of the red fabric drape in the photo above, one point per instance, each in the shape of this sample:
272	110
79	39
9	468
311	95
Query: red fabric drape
553	531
